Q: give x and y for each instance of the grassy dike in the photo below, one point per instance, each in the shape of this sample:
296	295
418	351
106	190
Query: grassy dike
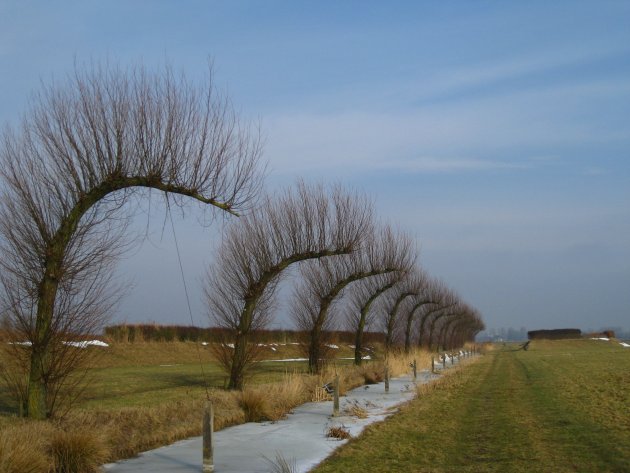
562	406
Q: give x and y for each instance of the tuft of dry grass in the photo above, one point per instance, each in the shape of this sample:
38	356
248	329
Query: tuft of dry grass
254	403
338	432
354	409
281	465
372	374
21	448
77	451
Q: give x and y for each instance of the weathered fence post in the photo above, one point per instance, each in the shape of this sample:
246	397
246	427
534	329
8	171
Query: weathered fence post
444	361
432	364
386	378
208	430
452	359
336	396
415	369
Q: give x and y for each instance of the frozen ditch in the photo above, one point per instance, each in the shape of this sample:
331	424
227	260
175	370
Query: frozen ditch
300	438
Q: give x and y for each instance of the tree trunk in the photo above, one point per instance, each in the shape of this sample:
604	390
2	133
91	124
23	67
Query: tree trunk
358	343
314	351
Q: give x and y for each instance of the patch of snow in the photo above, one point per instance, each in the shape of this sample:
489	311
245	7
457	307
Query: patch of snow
336	347
283	360
27	343
205	344
601	338
624	344
86	343
273	348
230	345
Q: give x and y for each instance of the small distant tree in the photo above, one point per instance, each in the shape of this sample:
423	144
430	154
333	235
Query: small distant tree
302	223
69	176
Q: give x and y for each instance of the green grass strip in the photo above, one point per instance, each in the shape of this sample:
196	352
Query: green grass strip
559	407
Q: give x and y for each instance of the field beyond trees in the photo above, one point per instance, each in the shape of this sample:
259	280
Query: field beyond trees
561	406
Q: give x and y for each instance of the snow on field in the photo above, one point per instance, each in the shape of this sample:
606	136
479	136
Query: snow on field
336	347
86	343
82	344
601	338
624	344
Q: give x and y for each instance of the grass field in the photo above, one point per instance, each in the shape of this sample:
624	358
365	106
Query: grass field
562	406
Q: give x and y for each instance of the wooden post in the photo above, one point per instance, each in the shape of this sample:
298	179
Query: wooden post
444	361
415	369
336	396
386	378
432	364
208	430
452	359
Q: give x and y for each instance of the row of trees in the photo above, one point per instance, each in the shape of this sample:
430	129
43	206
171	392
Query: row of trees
332	236
90	149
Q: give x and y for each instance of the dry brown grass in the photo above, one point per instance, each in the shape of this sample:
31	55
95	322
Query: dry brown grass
22	449
355	409
77	451
338	432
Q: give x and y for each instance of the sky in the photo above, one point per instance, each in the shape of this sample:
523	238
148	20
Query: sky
496	133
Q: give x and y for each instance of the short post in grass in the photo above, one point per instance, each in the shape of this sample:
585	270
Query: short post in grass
208	431
444	361
386	378
336	396
452	359
415	370
432	364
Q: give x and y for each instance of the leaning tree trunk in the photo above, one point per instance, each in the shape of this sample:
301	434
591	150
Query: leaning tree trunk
358	339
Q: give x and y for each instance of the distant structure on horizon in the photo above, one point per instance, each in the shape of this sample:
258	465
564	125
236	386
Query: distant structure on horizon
554	334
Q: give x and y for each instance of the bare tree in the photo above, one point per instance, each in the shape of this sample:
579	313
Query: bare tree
411	285
432	293
358	314
366	291
84	149
437	331
306	222
447	300
324	281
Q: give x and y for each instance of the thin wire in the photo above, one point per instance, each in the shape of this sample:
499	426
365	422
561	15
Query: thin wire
181	270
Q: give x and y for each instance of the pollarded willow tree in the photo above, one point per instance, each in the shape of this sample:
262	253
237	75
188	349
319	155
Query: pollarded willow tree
302	223
433	294
68	175
323	282
359	313
394	301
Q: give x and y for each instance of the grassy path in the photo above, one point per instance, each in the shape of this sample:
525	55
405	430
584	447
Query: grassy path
560	407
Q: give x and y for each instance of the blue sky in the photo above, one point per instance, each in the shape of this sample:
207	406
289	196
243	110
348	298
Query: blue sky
497	133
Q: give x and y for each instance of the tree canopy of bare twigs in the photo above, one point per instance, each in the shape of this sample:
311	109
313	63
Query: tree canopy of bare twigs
68	173
322	282
302	223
